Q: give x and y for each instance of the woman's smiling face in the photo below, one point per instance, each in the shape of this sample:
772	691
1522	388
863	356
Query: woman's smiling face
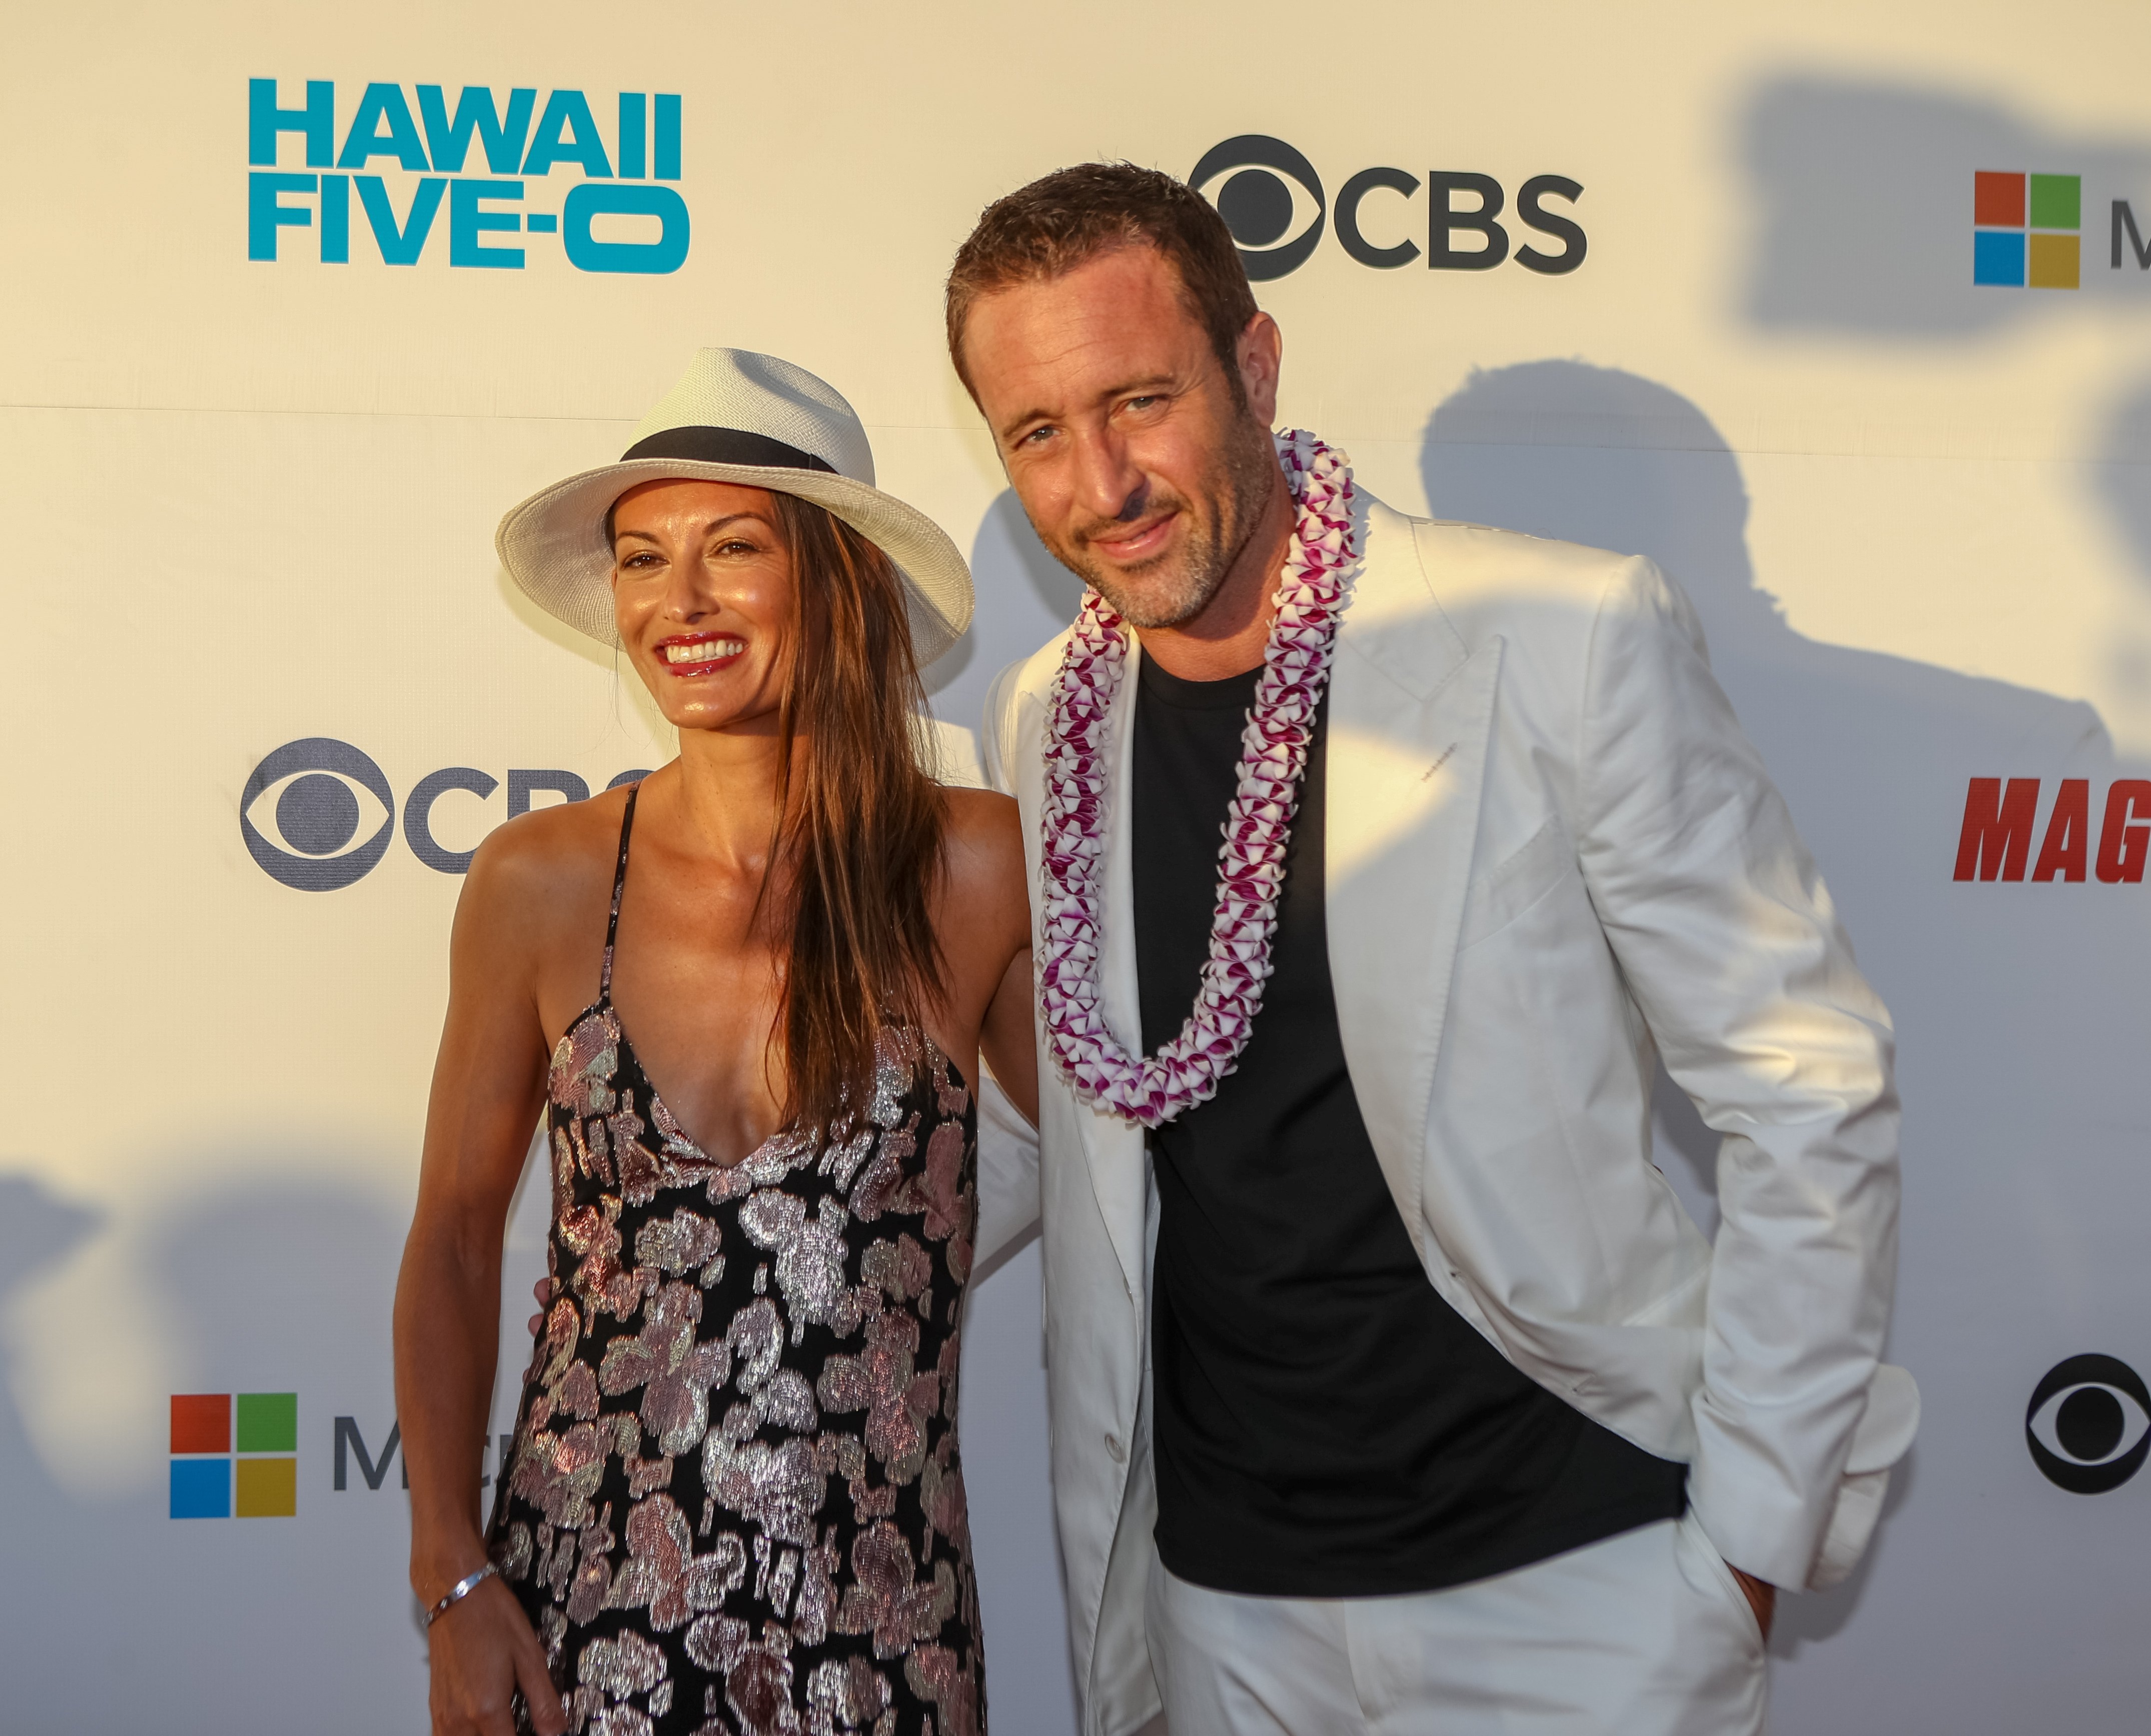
703	596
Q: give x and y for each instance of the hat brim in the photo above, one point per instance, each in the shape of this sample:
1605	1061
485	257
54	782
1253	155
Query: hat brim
553	544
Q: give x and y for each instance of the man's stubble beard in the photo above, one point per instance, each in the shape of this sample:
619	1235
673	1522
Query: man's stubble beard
1181	584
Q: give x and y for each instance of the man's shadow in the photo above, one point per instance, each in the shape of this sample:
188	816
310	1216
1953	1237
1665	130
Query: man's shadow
1872	751
2121	478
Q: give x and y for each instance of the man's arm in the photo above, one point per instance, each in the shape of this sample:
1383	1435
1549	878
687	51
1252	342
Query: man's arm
1734	952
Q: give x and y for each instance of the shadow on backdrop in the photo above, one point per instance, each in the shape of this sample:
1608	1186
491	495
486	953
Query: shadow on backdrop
1025	597
38	1230
1007	547
285	1279
261	1285
945	672
1865	209
2121	476
1870	751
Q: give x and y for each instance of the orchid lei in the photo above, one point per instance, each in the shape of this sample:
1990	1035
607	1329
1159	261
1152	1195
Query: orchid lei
1310	596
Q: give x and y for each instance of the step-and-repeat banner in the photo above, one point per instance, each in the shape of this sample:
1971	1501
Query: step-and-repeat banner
1841	313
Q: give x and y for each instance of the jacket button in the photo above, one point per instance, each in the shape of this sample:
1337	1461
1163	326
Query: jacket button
1113	1447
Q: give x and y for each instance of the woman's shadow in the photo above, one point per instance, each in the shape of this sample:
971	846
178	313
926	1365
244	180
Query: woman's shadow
1872	752
38	1231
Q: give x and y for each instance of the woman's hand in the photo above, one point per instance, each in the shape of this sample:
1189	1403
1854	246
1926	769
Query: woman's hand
483	1653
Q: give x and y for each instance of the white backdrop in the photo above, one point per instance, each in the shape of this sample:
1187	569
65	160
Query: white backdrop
249	503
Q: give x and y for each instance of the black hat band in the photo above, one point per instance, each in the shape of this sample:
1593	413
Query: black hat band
724	446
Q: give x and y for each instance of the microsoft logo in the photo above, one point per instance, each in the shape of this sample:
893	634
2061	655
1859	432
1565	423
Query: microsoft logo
208	1482
2026	229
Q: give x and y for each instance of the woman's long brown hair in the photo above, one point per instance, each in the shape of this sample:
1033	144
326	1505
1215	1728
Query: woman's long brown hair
858	859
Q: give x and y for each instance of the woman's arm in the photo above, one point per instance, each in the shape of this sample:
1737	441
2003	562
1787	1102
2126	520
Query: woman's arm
488	1083
986	940
984	924
1009	1037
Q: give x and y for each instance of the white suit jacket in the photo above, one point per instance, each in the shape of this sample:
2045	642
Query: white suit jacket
1551	857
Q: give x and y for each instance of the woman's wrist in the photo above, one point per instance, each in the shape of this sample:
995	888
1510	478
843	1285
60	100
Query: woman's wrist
438	1566
460	1590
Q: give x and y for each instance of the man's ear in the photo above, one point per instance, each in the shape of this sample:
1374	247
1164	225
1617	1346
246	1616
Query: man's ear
1260	352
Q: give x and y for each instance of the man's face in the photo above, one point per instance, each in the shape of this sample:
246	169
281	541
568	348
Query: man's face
1141	468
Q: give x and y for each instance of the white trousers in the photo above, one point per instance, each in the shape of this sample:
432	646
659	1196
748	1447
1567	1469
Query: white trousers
1645	1634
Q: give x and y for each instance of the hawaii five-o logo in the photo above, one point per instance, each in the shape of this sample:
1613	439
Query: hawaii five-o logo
1273	200
318	815
464	164
2088	1425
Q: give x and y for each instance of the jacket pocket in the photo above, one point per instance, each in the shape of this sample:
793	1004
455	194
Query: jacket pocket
1699	1559
1498	897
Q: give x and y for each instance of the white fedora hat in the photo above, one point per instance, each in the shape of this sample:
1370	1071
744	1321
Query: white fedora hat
736	416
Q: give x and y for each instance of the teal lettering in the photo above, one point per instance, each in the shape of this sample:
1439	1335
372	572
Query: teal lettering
266	213
400	246
668	139
365	141
335	220
633	125
567	133
466	222
264	120
586	253
503	138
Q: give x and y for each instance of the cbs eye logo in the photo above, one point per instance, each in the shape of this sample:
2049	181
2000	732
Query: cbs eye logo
318	811
2088	1425
1262	207
318	815
1272	199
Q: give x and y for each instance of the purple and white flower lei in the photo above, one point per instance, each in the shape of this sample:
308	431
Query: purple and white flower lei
1310	596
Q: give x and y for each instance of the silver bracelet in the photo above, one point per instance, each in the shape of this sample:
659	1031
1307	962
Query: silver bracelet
460	1590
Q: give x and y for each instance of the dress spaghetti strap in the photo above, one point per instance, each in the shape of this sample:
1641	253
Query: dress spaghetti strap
619	886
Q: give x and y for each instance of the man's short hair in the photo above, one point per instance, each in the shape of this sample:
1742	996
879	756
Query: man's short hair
1068	218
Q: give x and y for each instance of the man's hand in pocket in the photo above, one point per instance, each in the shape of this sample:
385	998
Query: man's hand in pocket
1762	1598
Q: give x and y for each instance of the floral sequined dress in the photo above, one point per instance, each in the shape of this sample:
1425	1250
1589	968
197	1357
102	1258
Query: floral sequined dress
735	1505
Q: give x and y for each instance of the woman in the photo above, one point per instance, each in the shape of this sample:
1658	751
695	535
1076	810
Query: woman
734	1503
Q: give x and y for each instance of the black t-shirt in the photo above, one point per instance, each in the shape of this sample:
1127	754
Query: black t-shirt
1325	1425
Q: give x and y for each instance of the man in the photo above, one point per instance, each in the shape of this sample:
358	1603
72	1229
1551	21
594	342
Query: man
1392	1389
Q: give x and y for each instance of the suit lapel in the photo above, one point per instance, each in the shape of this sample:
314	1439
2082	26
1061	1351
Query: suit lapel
1411	713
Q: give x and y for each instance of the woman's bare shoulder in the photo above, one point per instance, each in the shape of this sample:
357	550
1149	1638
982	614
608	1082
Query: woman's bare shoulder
987	891
985	832
542	863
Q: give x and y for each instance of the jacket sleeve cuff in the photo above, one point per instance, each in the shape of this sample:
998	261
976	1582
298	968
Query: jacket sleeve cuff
1884	1434
1756	1531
